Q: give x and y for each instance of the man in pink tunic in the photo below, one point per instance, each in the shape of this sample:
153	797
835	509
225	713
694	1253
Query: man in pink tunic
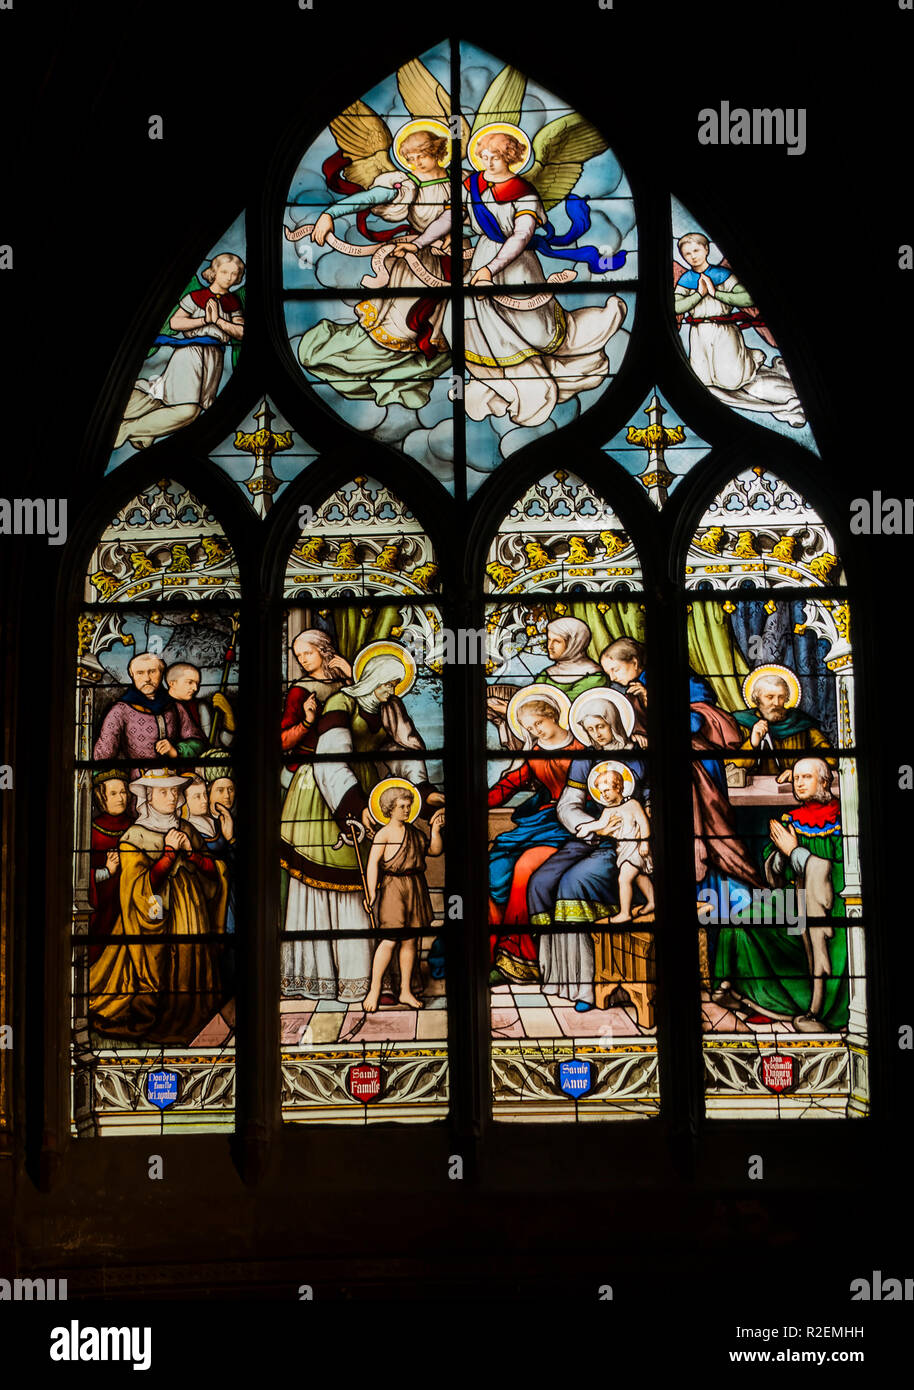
146	723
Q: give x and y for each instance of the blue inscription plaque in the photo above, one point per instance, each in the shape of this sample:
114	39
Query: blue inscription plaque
574	1077
162	1088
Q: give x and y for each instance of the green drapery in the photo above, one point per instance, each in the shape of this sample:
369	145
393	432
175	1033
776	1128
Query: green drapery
713	653
356	627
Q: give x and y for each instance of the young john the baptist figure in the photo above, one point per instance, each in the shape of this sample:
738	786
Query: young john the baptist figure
398	896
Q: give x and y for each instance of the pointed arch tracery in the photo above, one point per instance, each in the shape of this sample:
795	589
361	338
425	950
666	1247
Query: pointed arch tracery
362	591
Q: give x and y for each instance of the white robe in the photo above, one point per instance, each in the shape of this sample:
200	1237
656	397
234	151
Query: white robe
524	362
737	374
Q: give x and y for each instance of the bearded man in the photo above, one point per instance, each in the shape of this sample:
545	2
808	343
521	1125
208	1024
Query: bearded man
774	725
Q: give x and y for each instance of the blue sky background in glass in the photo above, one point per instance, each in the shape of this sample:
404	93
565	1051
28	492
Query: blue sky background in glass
678	458
286	466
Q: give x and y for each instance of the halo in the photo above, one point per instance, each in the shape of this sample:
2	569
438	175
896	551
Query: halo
374	798
430	127
598	692
539	691
628	780
501	128
387	649
772	670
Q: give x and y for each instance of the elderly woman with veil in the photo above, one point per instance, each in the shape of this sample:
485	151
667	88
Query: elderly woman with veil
572	671
320	841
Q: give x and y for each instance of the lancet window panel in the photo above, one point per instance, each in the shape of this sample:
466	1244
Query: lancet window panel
571	902
363	920
775	785
155	815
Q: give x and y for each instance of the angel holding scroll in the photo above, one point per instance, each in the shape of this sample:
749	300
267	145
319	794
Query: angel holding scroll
525	354
397	347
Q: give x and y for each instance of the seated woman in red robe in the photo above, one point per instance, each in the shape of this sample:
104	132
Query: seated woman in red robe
536	834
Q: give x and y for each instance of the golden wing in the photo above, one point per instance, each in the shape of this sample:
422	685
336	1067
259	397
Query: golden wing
364	137
560	149
503	100
423	95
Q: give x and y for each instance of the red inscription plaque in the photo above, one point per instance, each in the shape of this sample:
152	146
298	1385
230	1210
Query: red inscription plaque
779	1073
365	1081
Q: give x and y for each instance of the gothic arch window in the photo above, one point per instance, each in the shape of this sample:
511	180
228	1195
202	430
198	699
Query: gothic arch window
777	861
154	873
362	788
498	526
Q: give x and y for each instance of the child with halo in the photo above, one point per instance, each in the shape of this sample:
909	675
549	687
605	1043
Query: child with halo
626	822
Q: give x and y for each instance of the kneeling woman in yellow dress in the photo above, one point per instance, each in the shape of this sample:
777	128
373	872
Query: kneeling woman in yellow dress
151	983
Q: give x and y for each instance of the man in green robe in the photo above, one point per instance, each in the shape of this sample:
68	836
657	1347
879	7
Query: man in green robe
772	728
799	974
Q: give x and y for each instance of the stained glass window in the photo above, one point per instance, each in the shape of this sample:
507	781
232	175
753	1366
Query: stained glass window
153	957
571	897
363	1006
774	788
494	520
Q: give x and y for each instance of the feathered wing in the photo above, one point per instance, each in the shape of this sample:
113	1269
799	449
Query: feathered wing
365	139
503	99
423	95
560	150
678	271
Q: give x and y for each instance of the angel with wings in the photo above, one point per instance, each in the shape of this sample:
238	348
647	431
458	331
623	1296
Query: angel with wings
718	310
524	353
397	347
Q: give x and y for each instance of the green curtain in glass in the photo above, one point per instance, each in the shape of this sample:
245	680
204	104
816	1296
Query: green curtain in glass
713	653
356	627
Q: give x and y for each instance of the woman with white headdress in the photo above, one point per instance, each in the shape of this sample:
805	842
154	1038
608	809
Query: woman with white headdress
572	670
149	988
325	812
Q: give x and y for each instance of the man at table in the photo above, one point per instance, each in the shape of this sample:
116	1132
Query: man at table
774	725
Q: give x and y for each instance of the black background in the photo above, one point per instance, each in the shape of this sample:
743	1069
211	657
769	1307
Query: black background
106	226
